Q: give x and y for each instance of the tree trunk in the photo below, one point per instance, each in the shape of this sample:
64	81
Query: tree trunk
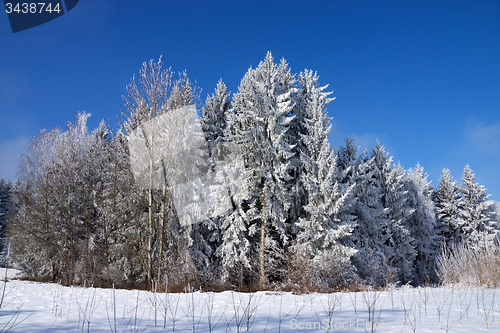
150	219
262	275
71	236
241	276
162	225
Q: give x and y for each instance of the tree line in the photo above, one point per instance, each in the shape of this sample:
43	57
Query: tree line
301	213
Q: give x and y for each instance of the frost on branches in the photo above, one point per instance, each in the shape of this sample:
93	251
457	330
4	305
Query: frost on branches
5	203
421	222
448	206
248	194
323	220
478	224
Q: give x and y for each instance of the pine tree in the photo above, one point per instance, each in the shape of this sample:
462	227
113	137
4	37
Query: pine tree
116	202
348	162
5	203
396	200
214	114
213	120
478	228
367	238
325	199
371	234
259	125
386	252
448	206
236	247
350	175
421	223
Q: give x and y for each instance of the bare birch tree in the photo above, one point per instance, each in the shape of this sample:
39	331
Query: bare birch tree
153	94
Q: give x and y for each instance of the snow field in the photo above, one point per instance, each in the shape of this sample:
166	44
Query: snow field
48	307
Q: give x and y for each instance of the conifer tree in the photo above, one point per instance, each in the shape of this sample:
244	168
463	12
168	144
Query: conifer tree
421	223
259	125
213	121
326	199
348	162
5	203
214	114
448	206
386	252
119	218
402	243
478	228
371	233
349	174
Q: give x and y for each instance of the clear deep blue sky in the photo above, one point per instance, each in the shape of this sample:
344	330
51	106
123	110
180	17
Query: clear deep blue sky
422	77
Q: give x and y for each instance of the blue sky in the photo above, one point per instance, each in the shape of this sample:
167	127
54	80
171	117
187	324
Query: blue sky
423	77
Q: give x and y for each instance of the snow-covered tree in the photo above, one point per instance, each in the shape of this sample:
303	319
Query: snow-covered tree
258	124
73	206
213	121
402	242
52	212
5	203
350	175
478	227
386	252
214	113
448	206
421	222
348	162
370	235
35	245
325	199
236	247
149	99
4	198
146	101
495	211
119	208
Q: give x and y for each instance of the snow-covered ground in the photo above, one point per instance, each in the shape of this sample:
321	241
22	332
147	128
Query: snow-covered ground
48	307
